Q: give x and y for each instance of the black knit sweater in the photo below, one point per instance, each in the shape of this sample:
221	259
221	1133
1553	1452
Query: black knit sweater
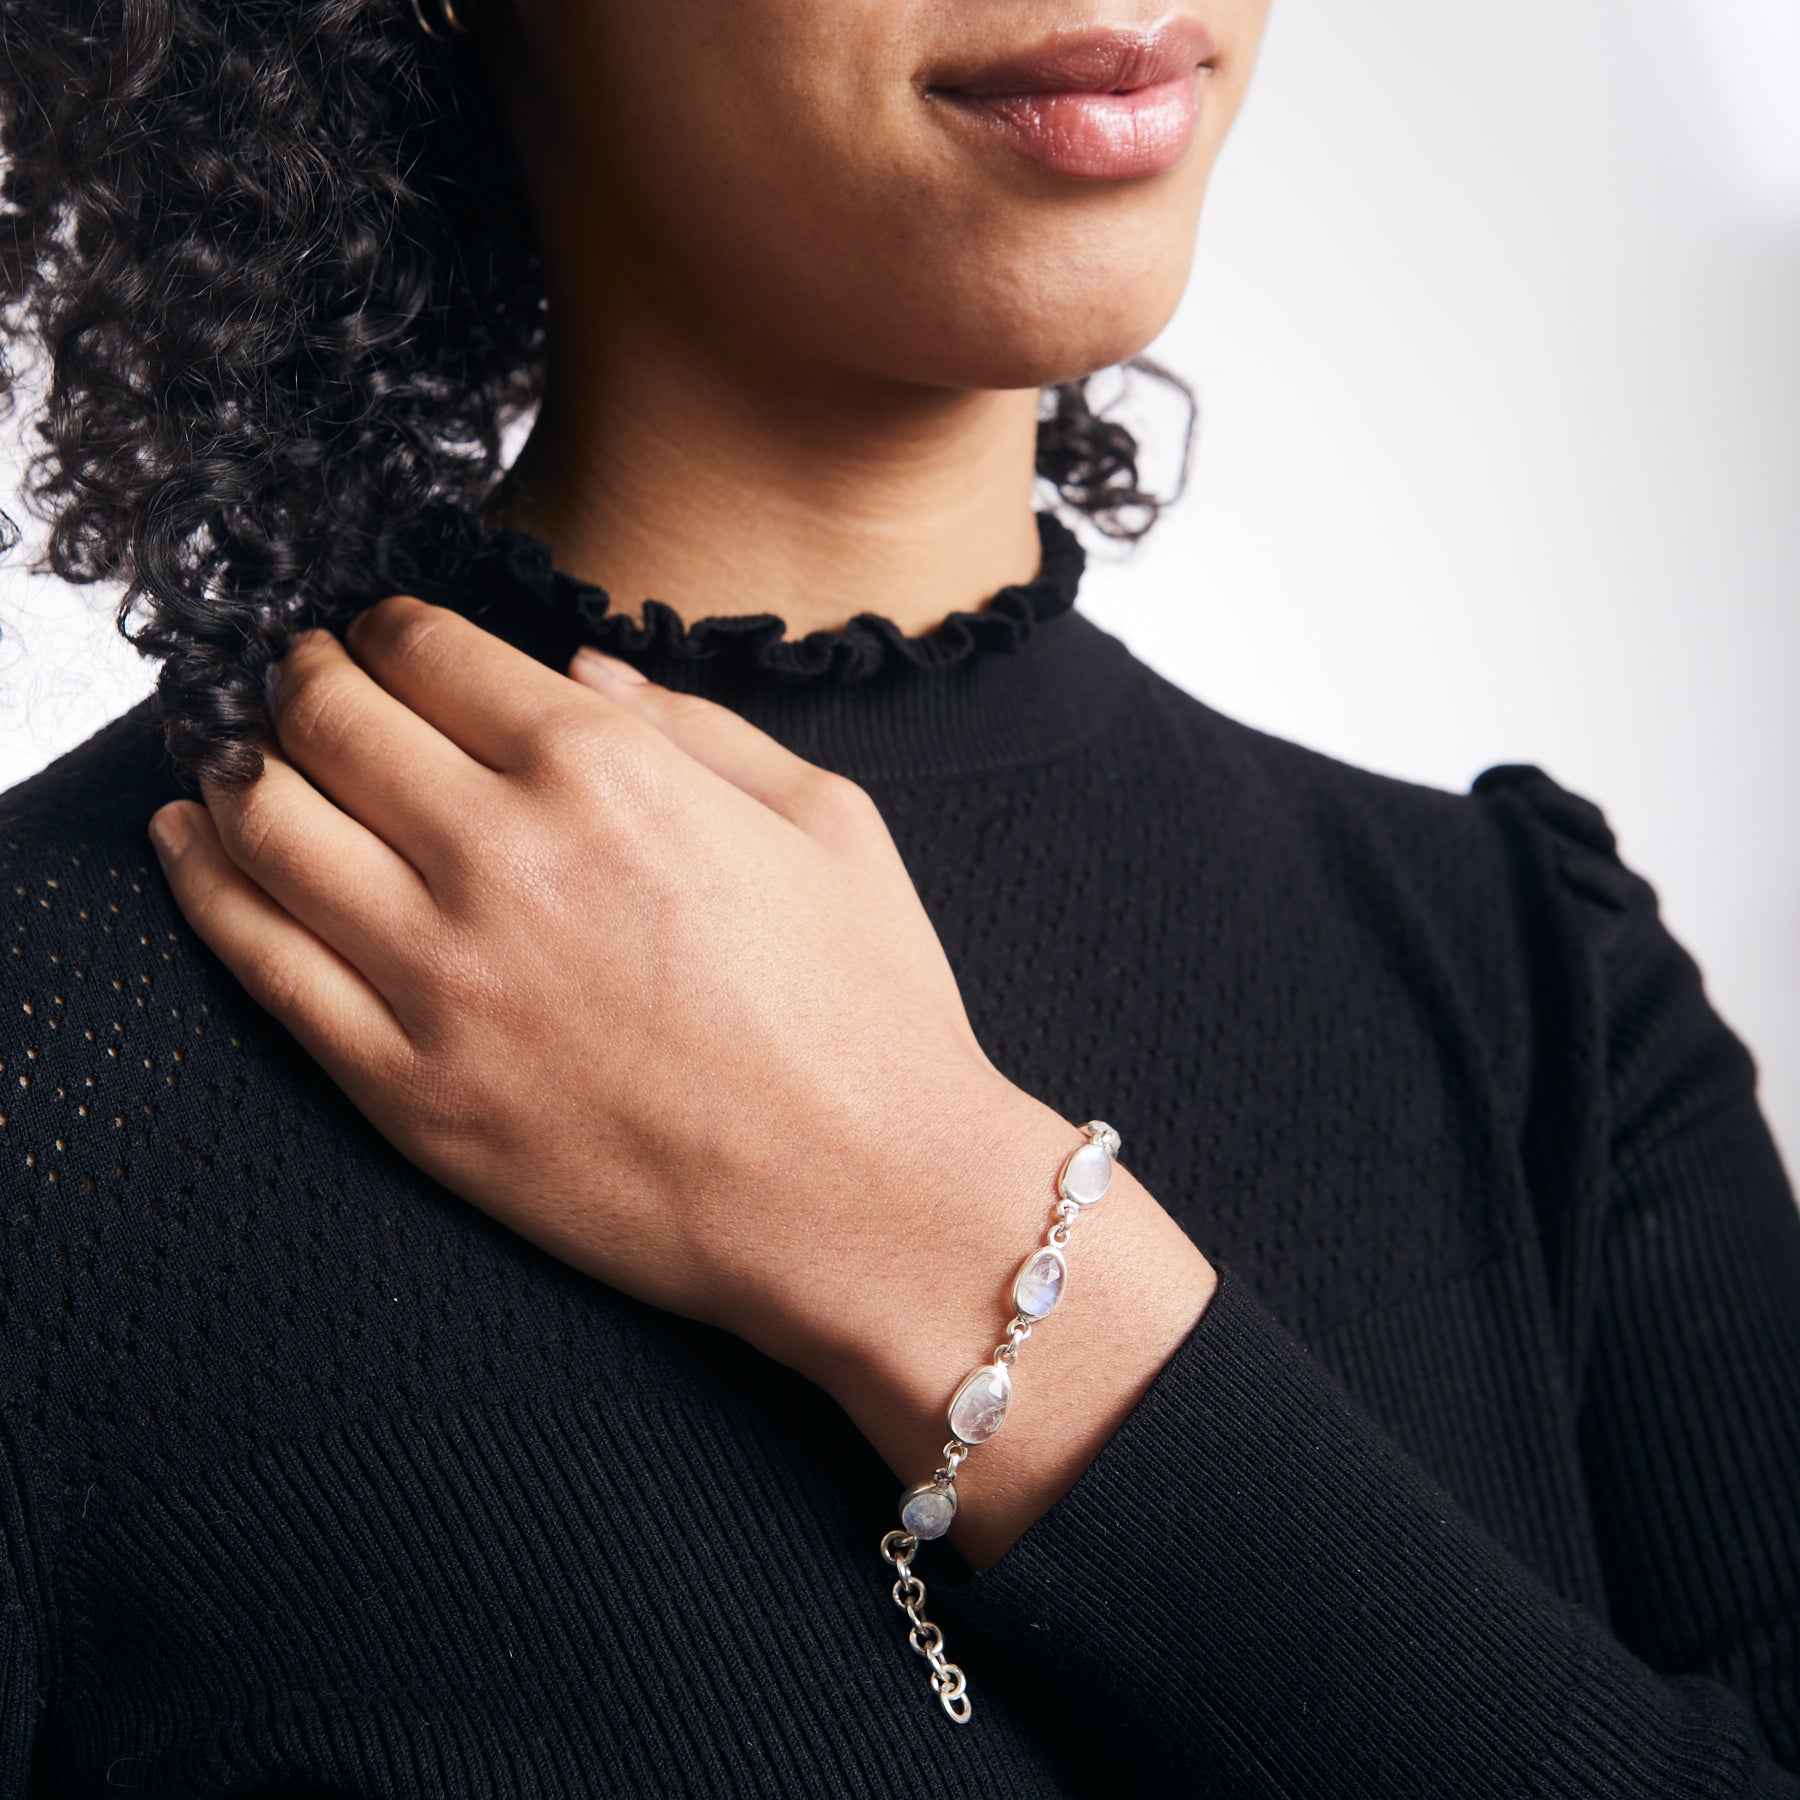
1480	1475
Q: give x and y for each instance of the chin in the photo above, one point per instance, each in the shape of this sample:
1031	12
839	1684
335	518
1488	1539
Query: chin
1032	364
1074	295
1036	331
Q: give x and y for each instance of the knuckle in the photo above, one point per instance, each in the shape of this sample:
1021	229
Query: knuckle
557	724
314	641
603	761
846	802
683	706
275	981
429	1098
479	841
465	990
259	833
313	701
303	654
471	985
201	887
396	630
434	1092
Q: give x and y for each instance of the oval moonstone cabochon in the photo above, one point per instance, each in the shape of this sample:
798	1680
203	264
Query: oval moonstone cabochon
1039	1284
978	1409
927	1511
1087	1174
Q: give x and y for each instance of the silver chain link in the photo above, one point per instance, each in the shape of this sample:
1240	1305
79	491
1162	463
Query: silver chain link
947	1680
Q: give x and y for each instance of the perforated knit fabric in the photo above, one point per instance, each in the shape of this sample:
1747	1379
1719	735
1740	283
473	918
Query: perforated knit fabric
1479	1476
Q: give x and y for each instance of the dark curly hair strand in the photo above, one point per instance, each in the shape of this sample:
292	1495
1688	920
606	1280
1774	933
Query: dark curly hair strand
274	256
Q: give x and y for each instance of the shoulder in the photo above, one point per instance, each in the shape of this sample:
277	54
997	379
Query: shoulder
1407	852
102	788
89	941
1670	1057
1513	891
75	855
1515	829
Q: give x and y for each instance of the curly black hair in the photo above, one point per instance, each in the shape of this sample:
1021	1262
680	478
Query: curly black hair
273	261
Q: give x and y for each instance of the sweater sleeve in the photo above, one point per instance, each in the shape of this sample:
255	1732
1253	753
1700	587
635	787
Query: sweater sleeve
1254	1590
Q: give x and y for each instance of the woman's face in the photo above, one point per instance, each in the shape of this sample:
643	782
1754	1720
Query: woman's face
790	179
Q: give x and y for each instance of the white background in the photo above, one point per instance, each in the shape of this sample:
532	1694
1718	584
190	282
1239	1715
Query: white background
1495	325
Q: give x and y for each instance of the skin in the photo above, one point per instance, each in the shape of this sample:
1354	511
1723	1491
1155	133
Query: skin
813	304
802	320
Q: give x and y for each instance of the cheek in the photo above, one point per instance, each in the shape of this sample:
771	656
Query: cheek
715	134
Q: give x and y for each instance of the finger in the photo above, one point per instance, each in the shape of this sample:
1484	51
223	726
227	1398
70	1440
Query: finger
497	704
337	1017
388	768
326	870
724	741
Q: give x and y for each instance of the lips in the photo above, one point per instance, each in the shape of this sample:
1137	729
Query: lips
1105	103
1097	60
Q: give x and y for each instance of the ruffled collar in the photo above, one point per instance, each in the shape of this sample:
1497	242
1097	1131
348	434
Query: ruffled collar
516	567
1001	684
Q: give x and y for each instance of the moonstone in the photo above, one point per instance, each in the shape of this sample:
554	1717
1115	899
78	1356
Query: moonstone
979	1408
1087	1174
926	1512
1040	1283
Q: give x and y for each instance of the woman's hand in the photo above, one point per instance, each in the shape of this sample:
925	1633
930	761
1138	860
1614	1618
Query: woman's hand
604	959
618	968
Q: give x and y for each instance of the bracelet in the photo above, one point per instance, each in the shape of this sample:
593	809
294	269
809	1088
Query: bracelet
978	1408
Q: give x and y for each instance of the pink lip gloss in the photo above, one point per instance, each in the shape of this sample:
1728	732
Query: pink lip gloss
1095	136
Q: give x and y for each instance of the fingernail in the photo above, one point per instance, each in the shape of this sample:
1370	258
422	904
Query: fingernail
171	831
601	664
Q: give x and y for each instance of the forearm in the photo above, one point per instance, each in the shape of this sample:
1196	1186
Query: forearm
1136	1286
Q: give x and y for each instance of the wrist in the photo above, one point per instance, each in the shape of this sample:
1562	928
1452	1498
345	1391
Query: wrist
1136	1286
897	1238
951	1239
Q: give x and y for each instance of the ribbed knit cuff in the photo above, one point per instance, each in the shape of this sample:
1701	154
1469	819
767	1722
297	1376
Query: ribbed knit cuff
1252	1580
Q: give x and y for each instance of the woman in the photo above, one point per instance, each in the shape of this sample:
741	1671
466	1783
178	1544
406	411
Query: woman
500	1205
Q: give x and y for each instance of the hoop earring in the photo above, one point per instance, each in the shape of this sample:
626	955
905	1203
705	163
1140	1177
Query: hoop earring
459	23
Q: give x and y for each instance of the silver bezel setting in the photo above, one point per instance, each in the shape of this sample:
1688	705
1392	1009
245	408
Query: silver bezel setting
997	1370
1062	1176
947	1490
1043	1250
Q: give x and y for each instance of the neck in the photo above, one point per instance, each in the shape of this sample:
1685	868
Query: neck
661	469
